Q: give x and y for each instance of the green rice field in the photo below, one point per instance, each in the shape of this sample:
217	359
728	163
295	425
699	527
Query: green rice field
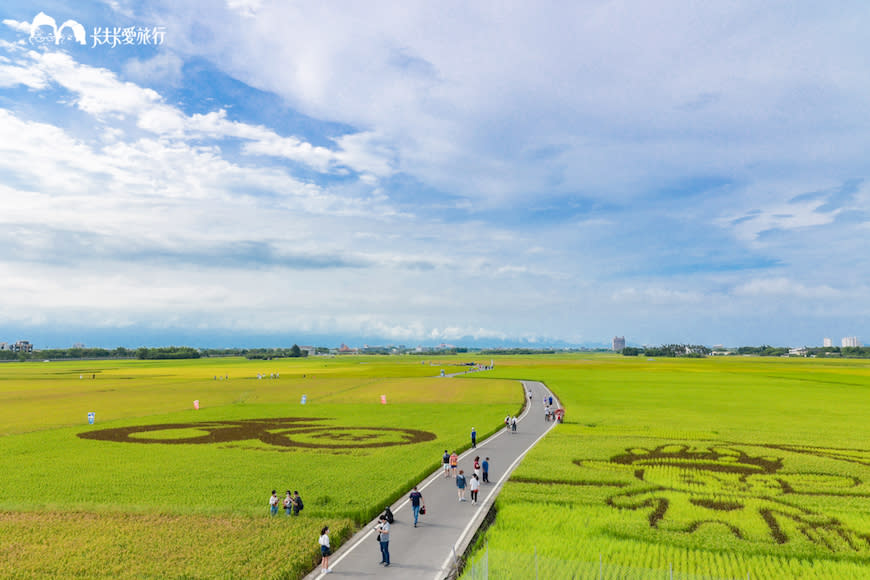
687	468
156	488
668	468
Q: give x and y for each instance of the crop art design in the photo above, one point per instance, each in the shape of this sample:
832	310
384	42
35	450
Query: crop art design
748	495
280	432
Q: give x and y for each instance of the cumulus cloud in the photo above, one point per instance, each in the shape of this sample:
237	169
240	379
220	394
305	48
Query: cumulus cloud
441	165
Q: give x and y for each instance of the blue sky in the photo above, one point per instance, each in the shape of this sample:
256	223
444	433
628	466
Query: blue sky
418	173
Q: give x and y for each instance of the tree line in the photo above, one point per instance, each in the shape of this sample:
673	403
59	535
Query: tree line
669	350
158	353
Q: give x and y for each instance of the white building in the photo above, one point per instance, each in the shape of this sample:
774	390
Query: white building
618	343
851	341
22	346
827	342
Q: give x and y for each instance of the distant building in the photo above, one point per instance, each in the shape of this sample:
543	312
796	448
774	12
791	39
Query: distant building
5	346
851	341
800	351
22	346
827	342
618	343
309	350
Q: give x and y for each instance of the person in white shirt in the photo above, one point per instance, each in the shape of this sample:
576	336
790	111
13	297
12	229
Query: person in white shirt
474	484
273	503
324	550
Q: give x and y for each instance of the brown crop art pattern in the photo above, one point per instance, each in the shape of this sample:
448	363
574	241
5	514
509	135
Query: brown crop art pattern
682	488
280	432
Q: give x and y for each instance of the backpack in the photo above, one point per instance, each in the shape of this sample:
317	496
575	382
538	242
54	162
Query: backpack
388	515
299	504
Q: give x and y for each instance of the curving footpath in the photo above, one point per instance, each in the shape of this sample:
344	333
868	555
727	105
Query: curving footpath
431	550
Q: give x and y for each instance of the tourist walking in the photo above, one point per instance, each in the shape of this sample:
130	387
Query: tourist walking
445	460
383	529
460	485
273	503
325	551
474	484
454	462
473	438
477	466
485	466
513	424
416	503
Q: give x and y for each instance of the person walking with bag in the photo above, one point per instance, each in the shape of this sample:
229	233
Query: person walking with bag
417	504
383	529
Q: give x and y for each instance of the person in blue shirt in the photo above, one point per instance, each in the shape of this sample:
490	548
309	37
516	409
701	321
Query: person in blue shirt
485	466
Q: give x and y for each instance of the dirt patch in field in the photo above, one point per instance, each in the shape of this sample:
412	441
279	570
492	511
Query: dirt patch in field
280	432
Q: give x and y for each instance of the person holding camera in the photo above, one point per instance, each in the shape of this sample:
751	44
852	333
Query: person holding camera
383	529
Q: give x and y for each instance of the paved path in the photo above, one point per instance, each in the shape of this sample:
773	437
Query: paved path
428	552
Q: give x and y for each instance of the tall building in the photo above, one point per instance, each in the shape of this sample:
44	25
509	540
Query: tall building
850	341
827	342
618	343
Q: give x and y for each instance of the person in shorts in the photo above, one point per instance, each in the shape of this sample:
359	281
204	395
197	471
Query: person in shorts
445	460
325	551
454	462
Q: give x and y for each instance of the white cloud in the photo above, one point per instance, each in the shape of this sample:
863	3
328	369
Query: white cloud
543	123
464	95
785	287
164	67
11	76
99	92
366	153
17	26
